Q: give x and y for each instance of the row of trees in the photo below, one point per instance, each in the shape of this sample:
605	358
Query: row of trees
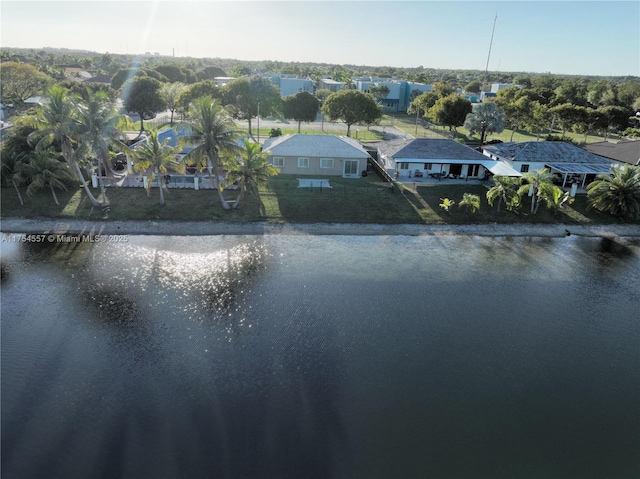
521	109
617	194
69	138
246	98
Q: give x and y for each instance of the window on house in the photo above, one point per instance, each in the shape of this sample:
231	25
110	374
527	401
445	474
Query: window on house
473	170
303	162
326	162
278	161
524	168
427	166
404	166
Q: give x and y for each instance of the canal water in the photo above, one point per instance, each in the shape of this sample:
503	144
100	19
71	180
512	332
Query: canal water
321	357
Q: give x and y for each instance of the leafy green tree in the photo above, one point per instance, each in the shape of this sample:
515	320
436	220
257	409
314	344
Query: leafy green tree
571	91
248	96
470	201
422	103
629	93
197	90
351	107
302	106
212	131
522	80
21	81
155	157
451	111
322	94
540	119
82	89
566	115
123	75
44	169
516	105
615	118
210	73
485	118
142	96
170	94
600	93
504	190
534	181
250	170
56	123
473	86
617	193
172	72
442	89
379	92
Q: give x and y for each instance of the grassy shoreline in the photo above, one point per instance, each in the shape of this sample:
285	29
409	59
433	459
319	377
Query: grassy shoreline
363	201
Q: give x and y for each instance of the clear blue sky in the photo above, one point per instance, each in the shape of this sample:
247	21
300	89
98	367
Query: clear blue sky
585	38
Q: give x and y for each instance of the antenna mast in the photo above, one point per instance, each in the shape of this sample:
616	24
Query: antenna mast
484	80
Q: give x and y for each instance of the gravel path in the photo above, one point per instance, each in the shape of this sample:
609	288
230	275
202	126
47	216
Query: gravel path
204	228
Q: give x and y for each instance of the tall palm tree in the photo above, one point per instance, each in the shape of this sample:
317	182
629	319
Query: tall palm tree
57	124
250	170
503	190
618	193
212	132
98	129
159	157
534	181
44	169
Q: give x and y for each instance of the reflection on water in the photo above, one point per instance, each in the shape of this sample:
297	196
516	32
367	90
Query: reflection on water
322	357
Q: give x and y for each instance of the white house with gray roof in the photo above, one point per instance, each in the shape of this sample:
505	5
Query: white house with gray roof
317	155
437	158
570	163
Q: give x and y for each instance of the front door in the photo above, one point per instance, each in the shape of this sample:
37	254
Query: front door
350	168
455	169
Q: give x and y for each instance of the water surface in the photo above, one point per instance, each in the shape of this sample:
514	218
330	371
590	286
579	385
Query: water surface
330	356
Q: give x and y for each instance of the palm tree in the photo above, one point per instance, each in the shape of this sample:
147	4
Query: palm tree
485	118
57	124
471	201
618	193
503	190
44	169
159	157
212	132
10	170
554	197
250	170
534	180
98	130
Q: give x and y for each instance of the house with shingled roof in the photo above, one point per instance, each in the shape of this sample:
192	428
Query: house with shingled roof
438	158
317	155
569	163
624	152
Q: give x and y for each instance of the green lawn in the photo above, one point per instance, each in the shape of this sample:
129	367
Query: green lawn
364	200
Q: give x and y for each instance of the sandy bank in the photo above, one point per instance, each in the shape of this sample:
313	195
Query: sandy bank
204	228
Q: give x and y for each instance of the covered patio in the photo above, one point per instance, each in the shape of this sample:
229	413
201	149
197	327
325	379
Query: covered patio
578	173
